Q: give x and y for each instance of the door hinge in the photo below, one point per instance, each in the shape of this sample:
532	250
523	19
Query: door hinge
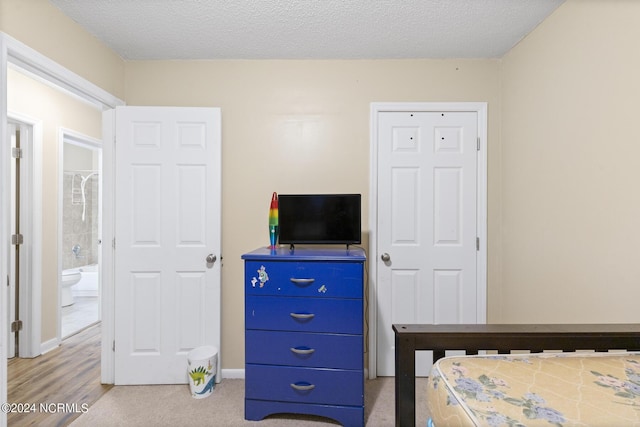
17	239
16	152
113	347
477	243
16	326
113	243
478	143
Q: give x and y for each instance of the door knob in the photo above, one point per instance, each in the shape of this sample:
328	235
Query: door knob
211	258
385	257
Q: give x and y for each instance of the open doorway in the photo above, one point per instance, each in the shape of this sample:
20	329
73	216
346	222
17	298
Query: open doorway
16	55
80	232
56	111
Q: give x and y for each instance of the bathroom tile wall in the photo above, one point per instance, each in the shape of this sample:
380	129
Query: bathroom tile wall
75	231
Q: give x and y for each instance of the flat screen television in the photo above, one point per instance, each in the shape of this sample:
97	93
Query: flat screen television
319	218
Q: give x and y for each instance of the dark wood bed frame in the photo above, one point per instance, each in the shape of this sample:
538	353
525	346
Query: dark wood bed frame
501	338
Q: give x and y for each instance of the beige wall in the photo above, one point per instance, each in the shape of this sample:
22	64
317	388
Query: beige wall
54	109
296	127
570	173
41	26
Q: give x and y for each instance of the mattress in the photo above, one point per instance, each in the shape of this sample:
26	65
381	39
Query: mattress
543	389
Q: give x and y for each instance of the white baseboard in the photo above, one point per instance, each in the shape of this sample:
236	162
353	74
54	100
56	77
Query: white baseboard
49	345
233	373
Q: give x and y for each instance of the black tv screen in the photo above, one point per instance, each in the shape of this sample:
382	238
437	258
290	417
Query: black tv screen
319	218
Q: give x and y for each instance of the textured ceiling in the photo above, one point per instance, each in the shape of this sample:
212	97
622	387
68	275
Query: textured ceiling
304	29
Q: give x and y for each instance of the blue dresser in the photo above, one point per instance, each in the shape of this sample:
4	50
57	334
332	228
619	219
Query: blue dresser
304	342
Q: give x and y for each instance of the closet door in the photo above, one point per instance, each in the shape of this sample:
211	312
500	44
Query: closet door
427	231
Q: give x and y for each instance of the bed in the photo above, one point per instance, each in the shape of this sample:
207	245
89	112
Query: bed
494	390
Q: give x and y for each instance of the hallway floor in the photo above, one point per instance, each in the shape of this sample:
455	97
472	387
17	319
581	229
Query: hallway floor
68	375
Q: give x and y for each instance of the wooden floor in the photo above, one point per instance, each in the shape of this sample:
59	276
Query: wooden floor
68	375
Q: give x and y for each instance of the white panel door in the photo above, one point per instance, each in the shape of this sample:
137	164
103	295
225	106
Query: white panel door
427	191
167	216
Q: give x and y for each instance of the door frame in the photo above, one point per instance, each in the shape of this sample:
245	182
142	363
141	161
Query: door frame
16	54
30	295
481	220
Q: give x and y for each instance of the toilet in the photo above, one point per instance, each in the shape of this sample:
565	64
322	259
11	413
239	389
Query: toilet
69	278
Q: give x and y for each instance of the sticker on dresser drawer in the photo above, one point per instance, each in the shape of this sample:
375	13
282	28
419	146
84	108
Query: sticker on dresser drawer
305	279
262	277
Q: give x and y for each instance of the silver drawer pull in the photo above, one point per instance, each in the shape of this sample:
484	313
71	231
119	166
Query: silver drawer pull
302	282
302	316
303	387
304	350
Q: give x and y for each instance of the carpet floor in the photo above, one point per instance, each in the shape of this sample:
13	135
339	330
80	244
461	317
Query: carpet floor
172	405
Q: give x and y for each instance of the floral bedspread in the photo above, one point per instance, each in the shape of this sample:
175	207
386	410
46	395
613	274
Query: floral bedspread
544	389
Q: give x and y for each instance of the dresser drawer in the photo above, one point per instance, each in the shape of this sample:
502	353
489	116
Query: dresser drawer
305	279
304	385
304	314
304	349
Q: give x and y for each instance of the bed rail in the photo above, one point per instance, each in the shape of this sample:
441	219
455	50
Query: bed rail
504	338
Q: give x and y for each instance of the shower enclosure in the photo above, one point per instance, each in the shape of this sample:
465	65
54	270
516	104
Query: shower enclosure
80	237
80	223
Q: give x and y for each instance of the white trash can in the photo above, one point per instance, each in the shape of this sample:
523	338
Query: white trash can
202	368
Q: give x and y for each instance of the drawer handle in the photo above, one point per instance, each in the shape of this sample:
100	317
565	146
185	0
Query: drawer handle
302	386
303	350
302	282
302	316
